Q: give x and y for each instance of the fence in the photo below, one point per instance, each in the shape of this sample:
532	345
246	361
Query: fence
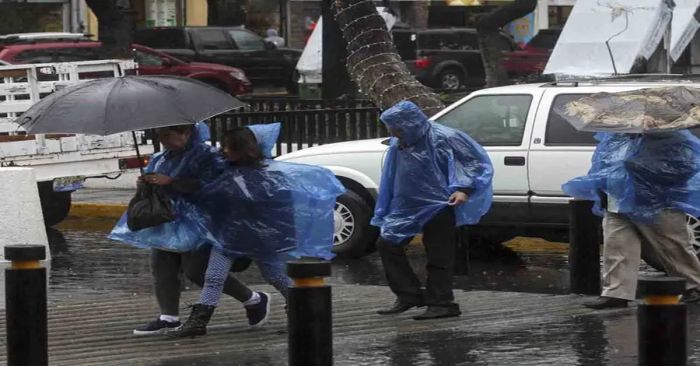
307	128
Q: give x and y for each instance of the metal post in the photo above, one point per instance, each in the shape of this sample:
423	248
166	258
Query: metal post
584	249
662	322
309	314
25	300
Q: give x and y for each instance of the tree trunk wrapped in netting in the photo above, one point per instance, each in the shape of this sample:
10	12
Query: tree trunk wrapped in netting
373	62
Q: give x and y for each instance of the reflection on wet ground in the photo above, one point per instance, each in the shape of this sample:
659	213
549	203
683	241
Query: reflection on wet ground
87	265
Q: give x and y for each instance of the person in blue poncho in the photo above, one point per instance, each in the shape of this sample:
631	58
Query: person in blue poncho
643	185
182	169
434	179
265	210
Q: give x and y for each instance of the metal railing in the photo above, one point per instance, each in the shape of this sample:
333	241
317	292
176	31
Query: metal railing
307	128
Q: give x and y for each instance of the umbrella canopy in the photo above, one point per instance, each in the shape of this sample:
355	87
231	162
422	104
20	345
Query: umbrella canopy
637	111
111	105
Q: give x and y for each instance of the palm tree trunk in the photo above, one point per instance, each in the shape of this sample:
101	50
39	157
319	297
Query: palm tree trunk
373	62
488	28
115	26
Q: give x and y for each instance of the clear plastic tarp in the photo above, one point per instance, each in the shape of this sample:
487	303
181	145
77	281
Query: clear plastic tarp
581	49
684	26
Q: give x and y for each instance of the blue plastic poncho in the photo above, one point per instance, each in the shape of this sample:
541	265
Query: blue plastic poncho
203	131
422	169
643	174
258	212
187	232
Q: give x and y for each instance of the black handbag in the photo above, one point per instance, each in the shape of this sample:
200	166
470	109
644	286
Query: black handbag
149	207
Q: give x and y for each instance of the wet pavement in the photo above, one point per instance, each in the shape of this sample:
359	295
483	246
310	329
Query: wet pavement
514	312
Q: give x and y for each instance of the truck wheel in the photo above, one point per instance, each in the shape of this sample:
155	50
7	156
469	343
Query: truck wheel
54	205
353	233
693	228
450	79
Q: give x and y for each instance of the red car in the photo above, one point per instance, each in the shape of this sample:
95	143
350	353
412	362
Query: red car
150	61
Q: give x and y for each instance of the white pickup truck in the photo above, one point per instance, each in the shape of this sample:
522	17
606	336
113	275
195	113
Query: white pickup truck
61	162
533	151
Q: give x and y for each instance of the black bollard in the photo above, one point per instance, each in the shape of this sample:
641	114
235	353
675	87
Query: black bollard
309	315
584	249
25	301
662	322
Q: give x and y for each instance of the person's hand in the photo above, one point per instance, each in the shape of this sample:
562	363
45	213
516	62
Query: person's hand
157	179
457	198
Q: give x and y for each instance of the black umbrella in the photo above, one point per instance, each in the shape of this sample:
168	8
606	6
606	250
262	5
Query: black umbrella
112	105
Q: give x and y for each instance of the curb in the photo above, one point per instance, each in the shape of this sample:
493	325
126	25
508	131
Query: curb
97	210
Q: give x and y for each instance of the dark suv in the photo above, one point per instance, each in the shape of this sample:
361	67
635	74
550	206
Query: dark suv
449	58
150	62
262	61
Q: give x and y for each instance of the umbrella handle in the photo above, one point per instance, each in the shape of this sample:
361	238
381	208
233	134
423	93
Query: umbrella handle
138	153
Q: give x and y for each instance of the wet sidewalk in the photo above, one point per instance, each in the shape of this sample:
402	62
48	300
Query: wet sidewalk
497	328
99	291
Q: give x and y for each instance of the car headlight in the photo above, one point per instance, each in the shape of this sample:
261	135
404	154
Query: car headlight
238	74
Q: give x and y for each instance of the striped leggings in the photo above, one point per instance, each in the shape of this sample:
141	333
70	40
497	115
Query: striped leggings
273	271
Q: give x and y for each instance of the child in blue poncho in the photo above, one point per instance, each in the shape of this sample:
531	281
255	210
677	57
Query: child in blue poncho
434	179
643	185
185	165
261	209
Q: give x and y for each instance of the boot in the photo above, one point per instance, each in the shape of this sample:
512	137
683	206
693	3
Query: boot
196	324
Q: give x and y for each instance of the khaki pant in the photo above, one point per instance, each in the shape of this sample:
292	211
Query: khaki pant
666	238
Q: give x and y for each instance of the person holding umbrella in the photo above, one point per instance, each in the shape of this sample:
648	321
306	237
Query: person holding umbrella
644	179
434	179
185	165
172	105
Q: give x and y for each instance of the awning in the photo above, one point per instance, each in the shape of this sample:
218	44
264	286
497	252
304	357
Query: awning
581	47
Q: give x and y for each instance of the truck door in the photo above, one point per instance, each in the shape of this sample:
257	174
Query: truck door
500	123
558	153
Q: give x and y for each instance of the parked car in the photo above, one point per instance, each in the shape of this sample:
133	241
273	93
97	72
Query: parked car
262	61
531	58
533	151
150	61
449	58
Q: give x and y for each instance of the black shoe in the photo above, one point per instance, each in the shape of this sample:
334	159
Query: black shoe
196	324
260	312
156	327
436	312
691	296
399	307
604	302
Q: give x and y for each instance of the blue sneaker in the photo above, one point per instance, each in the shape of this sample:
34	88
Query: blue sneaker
156	327
260	312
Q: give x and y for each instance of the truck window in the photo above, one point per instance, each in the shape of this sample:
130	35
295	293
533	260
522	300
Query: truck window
247	41
492	120
161	38
405	42
560	132
213	39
